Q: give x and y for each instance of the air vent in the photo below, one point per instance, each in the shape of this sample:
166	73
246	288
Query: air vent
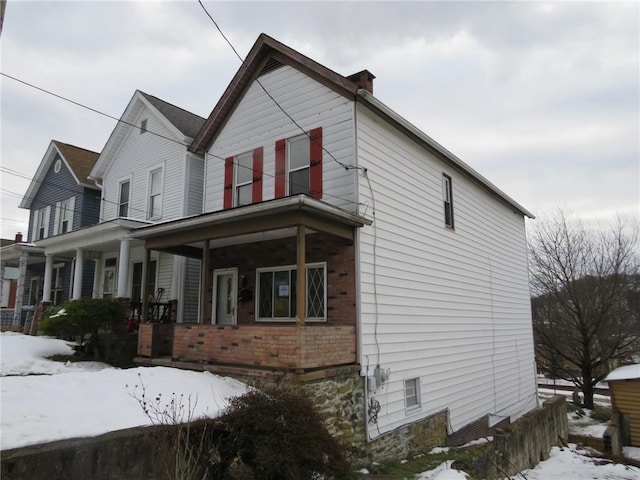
271	64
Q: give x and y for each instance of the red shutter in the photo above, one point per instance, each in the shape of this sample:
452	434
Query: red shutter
315	163
256	192
228	183
281	166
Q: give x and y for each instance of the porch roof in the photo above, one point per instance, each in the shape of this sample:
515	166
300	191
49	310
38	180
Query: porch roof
95	237
279	214
10	254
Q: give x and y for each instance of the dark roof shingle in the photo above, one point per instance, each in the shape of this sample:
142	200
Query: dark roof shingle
188	123
80	160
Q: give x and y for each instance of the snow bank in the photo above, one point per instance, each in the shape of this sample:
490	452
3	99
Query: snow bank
25	355
43	400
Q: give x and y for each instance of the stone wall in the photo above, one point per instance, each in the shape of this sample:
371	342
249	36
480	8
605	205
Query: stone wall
525	442
132	454
341	401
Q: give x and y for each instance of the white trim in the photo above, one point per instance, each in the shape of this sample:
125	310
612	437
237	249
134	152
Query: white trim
150	171
418	395
234	294
122	181
236	168
291	268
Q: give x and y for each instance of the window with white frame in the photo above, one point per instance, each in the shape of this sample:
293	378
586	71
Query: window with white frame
155	193
412	393
298	164
123	198
277	293
65	221
243	179
447	197
41	229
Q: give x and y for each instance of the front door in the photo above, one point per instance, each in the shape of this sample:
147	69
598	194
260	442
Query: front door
225	289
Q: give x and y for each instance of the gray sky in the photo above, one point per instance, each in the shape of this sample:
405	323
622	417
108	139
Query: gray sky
543	99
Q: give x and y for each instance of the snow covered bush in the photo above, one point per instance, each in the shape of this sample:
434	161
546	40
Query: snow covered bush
81	317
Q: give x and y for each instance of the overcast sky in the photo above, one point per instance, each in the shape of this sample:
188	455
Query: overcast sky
543	99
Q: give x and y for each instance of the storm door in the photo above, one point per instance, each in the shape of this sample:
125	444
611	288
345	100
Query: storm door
225	289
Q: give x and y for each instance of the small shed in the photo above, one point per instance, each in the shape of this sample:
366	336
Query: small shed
624	385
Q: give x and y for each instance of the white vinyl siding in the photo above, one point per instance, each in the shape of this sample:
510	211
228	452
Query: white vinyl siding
136	157
450	309
258	122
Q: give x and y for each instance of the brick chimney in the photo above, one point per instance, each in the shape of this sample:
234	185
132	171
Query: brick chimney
363	79
19	237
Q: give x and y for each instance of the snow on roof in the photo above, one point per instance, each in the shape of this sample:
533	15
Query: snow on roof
628	372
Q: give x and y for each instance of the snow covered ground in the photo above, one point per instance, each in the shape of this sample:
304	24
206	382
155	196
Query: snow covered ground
42	400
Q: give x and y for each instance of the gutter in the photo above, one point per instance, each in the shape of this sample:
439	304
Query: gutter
300	202
375	105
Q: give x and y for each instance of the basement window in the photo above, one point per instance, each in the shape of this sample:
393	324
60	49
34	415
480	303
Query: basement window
412	393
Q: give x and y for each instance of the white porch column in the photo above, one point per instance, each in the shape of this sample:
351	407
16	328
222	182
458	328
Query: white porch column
22	273
77	275
97	277
48	274
123	268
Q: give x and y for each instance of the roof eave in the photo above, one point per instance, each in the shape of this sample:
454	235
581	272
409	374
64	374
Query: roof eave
371	102
264	48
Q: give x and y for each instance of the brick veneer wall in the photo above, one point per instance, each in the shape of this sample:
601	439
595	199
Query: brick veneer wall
273	346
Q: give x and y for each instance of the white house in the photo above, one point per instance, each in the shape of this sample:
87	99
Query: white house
341	242
145	175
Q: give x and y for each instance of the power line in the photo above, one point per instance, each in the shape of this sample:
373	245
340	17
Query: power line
119	120
257	80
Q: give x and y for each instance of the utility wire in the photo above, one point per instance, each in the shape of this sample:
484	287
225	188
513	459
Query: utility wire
257	80
119	120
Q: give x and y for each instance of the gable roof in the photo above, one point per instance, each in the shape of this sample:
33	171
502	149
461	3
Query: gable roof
188	123
79	161
266	55
182	124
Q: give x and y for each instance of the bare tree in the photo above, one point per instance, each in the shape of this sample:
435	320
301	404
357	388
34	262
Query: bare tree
586	289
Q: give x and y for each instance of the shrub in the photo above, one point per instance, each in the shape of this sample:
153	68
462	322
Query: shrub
280	436
82	317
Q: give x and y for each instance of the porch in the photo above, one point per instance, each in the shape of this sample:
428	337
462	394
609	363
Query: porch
276	289
298	348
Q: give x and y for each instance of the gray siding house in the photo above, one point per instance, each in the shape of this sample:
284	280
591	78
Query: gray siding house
61	199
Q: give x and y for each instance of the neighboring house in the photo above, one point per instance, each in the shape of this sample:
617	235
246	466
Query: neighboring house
624	429
351	249
8	283
61	199
146	176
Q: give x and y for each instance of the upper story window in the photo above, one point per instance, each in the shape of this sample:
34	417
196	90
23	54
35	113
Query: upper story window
40	227
277	293
243	178
123	198
143	126
64	215
155	193
299	165
447	196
